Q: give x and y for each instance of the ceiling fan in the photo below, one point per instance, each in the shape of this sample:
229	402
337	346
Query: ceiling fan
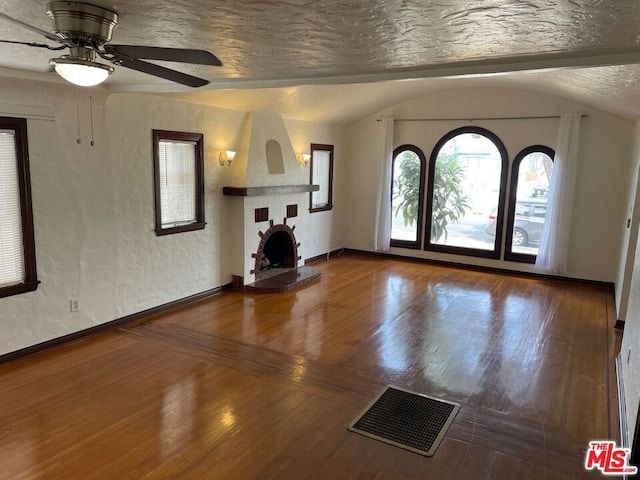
86	30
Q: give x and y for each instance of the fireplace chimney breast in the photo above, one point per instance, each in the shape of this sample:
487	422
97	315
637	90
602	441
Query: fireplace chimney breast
265	174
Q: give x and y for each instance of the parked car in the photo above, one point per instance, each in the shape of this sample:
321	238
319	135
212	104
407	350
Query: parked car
528	222
540	191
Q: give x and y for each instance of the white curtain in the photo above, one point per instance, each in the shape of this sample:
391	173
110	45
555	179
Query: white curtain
554	243
383	208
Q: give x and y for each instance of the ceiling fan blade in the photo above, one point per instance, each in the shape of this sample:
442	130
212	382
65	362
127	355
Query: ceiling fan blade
44	33
162	72
183	55
34	44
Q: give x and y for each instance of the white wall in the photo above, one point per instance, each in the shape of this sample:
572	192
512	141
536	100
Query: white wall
152	270
601	186
324	230
93	209
74	216
630	234
630	350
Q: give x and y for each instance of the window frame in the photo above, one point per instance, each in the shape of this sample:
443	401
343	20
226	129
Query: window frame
471	252
329	205
30	281
419	222
509	255
198	138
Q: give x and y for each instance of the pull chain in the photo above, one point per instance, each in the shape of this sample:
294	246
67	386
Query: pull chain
78	140
91	113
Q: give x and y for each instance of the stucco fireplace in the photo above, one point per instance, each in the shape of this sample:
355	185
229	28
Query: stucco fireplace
266	209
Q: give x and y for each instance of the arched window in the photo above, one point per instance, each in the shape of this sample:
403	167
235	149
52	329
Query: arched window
407	192
467	179
530	178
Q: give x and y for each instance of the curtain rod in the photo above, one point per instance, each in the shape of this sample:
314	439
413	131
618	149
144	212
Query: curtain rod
474	119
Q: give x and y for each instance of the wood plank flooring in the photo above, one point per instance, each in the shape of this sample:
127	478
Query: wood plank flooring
250	386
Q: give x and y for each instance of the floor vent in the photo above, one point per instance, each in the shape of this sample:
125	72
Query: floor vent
407	420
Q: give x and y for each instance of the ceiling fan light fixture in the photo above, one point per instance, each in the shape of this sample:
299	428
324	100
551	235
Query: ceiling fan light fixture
86	30
83	73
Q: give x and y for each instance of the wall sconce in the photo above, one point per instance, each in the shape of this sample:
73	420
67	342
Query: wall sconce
226	157
303	159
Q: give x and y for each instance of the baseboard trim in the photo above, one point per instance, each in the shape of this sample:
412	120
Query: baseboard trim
324	256
482	268
134	317
317	258
622	404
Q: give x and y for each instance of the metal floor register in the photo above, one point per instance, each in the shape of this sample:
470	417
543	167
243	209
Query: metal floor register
407	420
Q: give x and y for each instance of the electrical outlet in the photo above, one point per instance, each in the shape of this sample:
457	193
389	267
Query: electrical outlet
74	305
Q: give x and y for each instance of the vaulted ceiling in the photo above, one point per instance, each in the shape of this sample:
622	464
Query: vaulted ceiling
337	60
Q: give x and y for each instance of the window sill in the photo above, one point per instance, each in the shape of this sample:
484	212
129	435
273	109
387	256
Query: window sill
469	252
323	208
180	229
18	289
520	257
415	245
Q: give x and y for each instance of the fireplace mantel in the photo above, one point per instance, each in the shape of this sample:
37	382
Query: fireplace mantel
273	190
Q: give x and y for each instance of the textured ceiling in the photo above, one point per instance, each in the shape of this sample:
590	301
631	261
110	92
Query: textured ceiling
290	44
613	89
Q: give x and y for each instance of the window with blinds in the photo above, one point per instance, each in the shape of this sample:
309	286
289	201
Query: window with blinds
12	264
322	175
178	161
17	251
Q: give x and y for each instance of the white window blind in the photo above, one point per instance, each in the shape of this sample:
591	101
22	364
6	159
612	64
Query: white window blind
177	165
11	251
321	166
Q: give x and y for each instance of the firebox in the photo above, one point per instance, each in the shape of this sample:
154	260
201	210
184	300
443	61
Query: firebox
277	249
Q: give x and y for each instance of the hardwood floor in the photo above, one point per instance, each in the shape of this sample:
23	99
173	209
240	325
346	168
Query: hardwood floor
257	386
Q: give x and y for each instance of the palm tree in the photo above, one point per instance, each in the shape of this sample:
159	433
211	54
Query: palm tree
449	201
